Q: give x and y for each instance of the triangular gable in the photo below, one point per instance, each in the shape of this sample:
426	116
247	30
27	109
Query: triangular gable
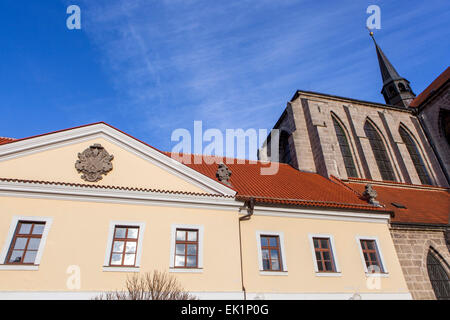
52	157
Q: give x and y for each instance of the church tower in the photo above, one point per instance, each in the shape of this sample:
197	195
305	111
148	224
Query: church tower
396	89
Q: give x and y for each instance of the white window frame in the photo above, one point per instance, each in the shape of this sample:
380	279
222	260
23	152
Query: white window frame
112	227
338	272
12	228
201	230
385	272
280	235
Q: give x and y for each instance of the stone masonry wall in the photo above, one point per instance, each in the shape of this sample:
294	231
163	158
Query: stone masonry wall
316	145
412	246
430	116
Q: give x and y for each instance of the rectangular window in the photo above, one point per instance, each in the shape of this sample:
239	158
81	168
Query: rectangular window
270	250
25	243
124	246
324	255
186	248
371	256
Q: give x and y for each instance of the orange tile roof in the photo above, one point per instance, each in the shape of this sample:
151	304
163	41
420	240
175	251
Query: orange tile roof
287	187
424	205
4	140
433	87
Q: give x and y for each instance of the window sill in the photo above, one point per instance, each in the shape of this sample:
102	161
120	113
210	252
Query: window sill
377	275
186	270
19	267
273	273
328	274
120	269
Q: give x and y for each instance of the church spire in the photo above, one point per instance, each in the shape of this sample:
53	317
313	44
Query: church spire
396	89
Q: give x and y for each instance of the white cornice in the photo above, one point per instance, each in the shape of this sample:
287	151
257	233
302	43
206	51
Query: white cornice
109	195
326	213
80	193
101	130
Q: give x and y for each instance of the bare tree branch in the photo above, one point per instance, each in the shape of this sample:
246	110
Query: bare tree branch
154	285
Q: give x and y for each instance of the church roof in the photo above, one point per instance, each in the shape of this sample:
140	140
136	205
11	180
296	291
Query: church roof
422	204
431	89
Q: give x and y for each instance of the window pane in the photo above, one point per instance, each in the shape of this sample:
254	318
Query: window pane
16	256
30	256
316	243
33	244
20	243
180	249
320	266
191	261
275	265
324	243
118	246
373	257
265	254
370	245
273	242
274	254
181	235
116	259
179	261
266	265
318	256
192	249
326	255
132	233
129	259
192	236
328	266
38	228
131	247
264	241
366	256
120	233
25	228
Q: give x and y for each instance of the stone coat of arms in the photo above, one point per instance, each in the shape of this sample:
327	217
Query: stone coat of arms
94	162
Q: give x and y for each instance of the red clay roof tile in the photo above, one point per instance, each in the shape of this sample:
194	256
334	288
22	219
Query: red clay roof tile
424	205
288	186
435	85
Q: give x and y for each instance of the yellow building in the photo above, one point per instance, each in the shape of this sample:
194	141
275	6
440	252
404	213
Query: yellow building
83	208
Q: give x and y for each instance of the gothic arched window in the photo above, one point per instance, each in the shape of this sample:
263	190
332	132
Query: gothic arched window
415	156
379	152
345	149
285	151
438	277
444	122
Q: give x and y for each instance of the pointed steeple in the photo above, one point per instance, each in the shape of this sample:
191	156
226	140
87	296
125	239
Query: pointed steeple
396	89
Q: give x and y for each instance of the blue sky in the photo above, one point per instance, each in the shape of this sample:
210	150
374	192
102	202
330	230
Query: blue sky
150	67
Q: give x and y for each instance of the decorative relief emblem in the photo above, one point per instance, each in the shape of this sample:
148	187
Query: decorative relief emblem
223	174
94	162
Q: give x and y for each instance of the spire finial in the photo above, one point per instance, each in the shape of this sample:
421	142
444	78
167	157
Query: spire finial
370	32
